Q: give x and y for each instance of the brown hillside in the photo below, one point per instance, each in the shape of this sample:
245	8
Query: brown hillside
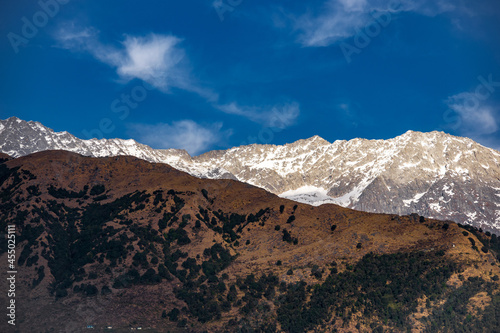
60	203
4	156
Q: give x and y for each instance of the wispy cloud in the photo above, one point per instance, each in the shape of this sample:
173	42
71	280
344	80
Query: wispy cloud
71	37
430	7
341	19
161	61
477	119
184	134
349	114
277	116
154	58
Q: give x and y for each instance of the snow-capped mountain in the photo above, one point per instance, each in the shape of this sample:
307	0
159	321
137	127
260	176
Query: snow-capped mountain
433	174
19	138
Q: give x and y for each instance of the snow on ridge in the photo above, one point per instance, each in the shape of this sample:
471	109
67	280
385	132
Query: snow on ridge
415	199
317	195
308	194
305	190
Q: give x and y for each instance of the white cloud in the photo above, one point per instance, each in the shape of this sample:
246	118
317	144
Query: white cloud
341	19
337	22
277	116
154	58
184	134
160	61
477	118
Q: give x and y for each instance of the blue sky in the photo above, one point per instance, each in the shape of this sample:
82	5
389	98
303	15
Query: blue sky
203	75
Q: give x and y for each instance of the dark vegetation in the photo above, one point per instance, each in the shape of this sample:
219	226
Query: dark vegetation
97	190
385	286
60	193
12	179
204	192
490	242
201	291
454	315
72	249
79	236
230	225
287	237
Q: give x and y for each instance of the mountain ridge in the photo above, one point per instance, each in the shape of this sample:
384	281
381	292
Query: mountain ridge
433	174
122	242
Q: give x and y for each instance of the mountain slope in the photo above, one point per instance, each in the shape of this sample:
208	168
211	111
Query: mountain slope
125	243
433	174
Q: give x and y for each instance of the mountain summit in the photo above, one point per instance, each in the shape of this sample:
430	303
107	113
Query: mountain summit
433	174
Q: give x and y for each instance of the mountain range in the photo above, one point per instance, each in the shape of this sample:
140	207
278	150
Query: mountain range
119	243
434	174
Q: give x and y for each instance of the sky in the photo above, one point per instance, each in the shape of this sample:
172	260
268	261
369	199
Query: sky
202	75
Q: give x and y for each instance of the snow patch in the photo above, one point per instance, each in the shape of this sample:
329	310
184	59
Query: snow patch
415	199
317	196
448	190
311	195
471	215
409	165
435	207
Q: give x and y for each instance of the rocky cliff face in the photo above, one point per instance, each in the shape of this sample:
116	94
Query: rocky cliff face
433	174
